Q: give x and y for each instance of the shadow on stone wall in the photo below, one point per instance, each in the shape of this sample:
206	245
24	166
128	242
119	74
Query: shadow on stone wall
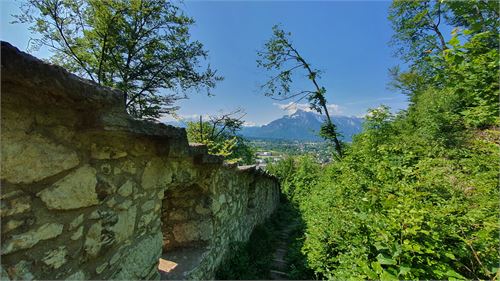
87	192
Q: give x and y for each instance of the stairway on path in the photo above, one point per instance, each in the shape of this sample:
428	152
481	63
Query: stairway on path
279	266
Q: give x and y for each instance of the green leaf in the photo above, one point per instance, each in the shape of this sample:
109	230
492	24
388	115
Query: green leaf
385	260
452	275
403	270
454	41
450	255
377	267
387	276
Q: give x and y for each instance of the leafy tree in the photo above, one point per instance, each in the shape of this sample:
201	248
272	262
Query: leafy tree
280	55
467	70
416	27
219	133
142	48
416	194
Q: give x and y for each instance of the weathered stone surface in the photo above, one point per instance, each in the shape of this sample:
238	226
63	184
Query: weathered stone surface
193	231
102	152
79	275
125	226
56	258
115	257
222	199
135	264
101	268
126	189
178	215
16	206
31	238
97	152
3	274
41	157
202	210
77	234
160	194
74	191
21	271
129	167
111	202
124	205
148	206
106	169
93	240
76	222
11	225
156	175
146	220
6	195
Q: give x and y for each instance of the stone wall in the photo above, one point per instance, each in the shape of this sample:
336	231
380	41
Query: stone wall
89	193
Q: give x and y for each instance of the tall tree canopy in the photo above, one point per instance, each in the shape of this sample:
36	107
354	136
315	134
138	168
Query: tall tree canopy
142	48
465	64
283	59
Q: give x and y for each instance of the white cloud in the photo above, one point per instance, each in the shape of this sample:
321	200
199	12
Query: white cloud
291	107
249	124
334	109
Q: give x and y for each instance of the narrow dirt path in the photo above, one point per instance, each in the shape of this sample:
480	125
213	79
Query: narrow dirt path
279	266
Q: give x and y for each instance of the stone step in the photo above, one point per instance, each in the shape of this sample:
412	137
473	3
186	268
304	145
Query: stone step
281	250
282	244
278	275
280	254
279	264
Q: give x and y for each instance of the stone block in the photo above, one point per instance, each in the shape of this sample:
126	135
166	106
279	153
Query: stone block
30	158
124	205
144	254
126	189
79	275
77	234
148	206
93	241
11	224
76	222
156	175
21	271
74	191
55	258
31	238
124	228
16	206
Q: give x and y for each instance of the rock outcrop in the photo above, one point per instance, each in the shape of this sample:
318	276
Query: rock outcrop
87	192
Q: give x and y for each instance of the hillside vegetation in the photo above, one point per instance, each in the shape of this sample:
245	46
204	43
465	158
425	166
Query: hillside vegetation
416	194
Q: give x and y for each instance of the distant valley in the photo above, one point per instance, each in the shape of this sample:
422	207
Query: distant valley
299	126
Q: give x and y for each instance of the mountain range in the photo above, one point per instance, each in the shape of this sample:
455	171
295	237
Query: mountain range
303	126
300	125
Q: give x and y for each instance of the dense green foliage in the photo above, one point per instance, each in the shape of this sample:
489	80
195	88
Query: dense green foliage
142	48
416	195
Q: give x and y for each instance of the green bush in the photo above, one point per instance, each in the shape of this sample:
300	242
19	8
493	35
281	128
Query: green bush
416	195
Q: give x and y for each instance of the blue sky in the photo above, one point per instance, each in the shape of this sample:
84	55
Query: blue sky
347	40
